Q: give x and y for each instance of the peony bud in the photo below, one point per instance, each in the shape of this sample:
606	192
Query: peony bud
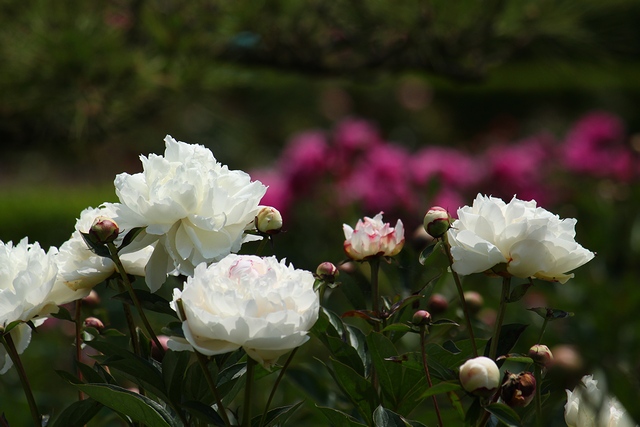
94	322
437	304
541	355
104	230
373	238
92	300
421	318
480	376
327	271
518	390
474	301
268	220
437	221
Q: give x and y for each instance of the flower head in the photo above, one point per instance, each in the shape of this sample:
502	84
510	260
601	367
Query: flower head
530	241
372	237
480	376
196	208
262	305
79	269
589	406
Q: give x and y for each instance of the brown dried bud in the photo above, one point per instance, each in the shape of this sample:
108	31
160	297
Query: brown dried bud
518	390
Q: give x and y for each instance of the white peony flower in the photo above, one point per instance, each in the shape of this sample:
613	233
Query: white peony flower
480	376
79	269
27	274
530	241
197	209
372	237
259	304
589	406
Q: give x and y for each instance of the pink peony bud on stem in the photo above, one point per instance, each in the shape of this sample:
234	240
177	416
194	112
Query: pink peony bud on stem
437	221
104	230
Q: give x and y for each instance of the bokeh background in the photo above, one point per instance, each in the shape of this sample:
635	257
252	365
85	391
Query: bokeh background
345	108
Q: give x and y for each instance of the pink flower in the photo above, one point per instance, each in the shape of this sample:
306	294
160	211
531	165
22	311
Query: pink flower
380	180
373	238
304	160
448	165
596	146
356	134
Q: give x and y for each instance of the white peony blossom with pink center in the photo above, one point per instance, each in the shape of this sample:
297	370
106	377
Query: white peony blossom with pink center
372	238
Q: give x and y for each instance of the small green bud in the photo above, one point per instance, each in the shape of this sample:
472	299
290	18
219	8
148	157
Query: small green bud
104	230
437	221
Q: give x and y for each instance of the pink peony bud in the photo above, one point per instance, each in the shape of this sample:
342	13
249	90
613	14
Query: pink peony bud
437	304
518	390
104	230
474	301
373	238
541	355
327	271
437	221
421	318
480	376
94	322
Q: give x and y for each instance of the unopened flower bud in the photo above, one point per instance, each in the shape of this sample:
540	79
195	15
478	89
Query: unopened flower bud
518	390
327	271
268	220
104	230
92	299
421	318
437	304
348	267
474	301
480	376
94	322
437	221
541	355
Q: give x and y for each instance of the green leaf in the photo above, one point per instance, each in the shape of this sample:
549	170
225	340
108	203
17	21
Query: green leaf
277	416
389	373
130	237
509	335
139	408
77	414
203	412
519	291
148	301
504	414
89	374
339	418
551	313
355	387
385	418
96	248
440	322
63	314
443	387
400	327
174	366
358	340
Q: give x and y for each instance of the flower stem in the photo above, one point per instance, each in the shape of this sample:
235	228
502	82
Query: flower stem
9	345
426	372
463	302
374	263
538	375
78	319
275	386
544	326
506	285
125	279
246	413
202	360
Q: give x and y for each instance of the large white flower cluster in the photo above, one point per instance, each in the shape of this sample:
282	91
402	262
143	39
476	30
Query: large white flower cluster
589	406
79	269
262	305
530	241
27	275
197	209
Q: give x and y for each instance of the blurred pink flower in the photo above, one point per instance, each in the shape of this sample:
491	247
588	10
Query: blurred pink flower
278	192
448	199
448	165
304	160
356	134
596	146
380	180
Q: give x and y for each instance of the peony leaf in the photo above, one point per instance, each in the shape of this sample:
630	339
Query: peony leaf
385	418
62	314
389	373
505	414
149	301
77	414
551	313
356	388
96	248
174	366
443	387
509	335
130	237
139	408
400	327
203	412
519	291
339	418
276	416
358	341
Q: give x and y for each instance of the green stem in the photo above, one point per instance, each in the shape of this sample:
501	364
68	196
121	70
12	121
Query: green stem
246	413
538	375
202	360
125	279
506	285
9	345
375	297
426	372
275	386
463	302
262	244
544	326
78	318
